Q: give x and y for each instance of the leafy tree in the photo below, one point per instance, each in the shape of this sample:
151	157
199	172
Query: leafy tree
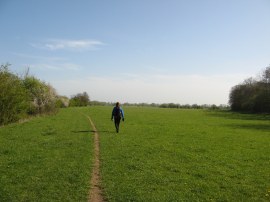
79	100
252	95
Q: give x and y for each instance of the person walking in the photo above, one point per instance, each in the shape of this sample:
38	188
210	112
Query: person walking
117	114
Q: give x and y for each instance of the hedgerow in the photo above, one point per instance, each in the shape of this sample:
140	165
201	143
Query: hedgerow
23	96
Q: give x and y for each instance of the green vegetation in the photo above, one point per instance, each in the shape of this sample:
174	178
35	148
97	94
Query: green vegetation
79	100
159	155
47	158
21	97
253	95
13	96
184	155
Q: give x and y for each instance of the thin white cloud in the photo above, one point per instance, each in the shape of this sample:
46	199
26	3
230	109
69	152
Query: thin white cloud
70	45
36	57
62	66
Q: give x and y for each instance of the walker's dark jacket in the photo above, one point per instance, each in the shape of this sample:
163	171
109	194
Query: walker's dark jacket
114	111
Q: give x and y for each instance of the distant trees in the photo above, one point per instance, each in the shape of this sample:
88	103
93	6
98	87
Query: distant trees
253	95
79	100
20	97
193	106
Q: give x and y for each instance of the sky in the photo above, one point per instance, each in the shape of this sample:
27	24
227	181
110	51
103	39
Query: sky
152	51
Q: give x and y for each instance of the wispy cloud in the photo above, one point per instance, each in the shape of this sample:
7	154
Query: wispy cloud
39	58
70	45
47	63
53	66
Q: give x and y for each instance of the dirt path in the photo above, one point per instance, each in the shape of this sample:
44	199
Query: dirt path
95	194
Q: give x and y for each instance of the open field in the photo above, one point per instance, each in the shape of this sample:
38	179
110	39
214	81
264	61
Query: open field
46	159
159	155
184	155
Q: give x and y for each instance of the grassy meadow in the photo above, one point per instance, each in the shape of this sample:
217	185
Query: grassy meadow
184	155
158	155
46	158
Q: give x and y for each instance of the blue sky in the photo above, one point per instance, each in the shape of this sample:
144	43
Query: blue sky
138	51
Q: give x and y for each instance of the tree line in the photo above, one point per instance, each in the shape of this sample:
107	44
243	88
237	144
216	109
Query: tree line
24	96
165	105
252	95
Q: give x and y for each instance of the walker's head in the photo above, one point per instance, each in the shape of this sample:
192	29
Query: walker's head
117	104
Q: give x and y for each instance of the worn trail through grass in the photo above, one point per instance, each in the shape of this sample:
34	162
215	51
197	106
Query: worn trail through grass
95	191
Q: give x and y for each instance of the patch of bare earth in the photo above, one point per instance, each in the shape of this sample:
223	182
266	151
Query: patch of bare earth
95	194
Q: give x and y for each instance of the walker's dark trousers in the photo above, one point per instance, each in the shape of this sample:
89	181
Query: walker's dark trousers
117	123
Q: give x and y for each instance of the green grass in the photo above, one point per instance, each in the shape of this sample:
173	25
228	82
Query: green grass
184	155
159	155
46	159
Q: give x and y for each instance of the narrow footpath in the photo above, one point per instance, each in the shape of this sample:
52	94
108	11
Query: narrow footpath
95	194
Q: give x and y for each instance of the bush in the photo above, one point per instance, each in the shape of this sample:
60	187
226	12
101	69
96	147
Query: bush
20	97
62	102
13	96
42	96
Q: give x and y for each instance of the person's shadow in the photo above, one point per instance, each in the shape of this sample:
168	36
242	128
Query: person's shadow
91	131
83	131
